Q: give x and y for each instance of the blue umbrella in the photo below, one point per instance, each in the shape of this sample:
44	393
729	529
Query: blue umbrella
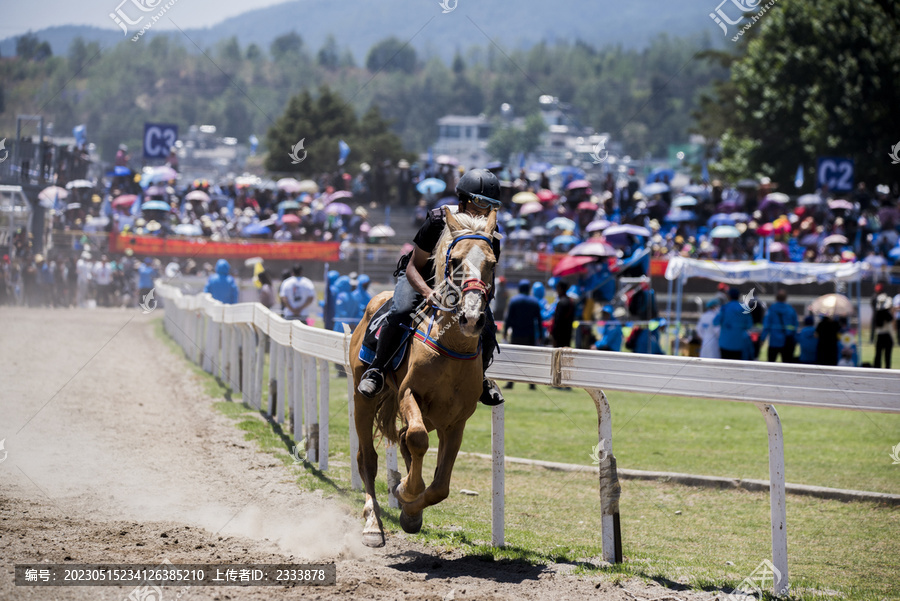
155	205
894	253
574	172
447	200
540	167
720	219
561	223
256	229
119	171
494	165
565	240
658	175
725	231
677	215
696	191
431	186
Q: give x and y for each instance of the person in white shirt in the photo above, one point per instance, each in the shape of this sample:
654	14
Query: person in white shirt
709	333
103	277
298	296
84	270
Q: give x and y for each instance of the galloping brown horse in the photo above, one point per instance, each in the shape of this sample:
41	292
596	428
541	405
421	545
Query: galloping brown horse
437	385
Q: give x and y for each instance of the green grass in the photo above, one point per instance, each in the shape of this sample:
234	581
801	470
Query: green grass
848	549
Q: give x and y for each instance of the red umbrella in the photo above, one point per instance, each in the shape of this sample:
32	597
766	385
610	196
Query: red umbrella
767	229
570	265
546	196
290	218
124	201
587	206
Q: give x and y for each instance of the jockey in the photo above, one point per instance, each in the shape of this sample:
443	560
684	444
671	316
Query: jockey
479	192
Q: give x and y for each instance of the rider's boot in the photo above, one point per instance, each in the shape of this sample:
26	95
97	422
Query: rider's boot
490	393
389	341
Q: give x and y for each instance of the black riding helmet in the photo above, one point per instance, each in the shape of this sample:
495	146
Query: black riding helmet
480	186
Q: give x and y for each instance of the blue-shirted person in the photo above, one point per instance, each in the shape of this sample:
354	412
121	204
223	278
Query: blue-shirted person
523	320
611	334
780	327
221	285
806	339
735	322
146	274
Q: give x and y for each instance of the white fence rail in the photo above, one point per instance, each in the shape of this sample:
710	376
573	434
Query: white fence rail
229	341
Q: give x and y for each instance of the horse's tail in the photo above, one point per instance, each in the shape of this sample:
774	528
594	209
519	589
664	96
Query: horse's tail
386	415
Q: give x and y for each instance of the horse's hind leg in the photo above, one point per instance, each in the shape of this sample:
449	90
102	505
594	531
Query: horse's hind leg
404	450
367	459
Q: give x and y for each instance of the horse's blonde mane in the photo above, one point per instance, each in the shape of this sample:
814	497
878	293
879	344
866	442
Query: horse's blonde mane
469	224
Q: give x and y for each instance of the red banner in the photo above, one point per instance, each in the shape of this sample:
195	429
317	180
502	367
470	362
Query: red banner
202	247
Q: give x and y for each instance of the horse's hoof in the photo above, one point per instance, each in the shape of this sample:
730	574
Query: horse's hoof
410	525
373	539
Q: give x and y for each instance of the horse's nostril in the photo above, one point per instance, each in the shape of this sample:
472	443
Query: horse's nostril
463	320
480	322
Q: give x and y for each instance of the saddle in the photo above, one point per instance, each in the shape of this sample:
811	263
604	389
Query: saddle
370	340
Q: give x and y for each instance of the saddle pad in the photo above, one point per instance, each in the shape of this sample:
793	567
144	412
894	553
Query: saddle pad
370	340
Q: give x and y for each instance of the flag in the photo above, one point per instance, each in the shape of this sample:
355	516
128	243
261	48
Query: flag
705	173
79	132
798	179
521	160
344	151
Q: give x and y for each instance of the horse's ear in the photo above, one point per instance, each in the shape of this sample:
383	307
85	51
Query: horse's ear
452	221
492	221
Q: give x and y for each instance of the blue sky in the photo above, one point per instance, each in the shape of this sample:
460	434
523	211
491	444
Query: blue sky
20	17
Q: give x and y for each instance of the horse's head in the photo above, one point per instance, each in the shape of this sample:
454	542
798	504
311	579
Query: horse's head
469	263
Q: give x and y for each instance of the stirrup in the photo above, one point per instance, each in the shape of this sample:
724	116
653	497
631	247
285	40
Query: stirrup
490	394
372	383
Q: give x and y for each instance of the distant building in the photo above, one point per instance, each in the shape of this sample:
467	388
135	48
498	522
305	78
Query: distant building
464	138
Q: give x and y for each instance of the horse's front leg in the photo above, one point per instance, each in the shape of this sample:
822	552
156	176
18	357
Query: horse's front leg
448	448
415	440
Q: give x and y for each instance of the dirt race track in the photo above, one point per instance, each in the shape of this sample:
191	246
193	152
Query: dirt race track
115	455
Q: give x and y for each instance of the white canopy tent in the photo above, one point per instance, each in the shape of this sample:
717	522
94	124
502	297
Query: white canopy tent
740	272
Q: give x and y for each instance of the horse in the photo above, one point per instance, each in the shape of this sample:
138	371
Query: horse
439	381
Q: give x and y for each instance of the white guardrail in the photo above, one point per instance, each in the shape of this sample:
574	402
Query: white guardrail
229	341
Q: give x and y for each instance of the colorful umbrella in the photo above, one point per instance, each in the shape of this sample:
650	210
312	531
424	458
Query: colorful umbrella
256	229
155	205
308	186
431	186
832	305
155	191
634	230
565	240
50	194
546	196
678	216
836	239
721	219
197	195
338	208
561	223
684	201
188	229
809	200
339	195
655	188
381	231
445	159
588	206
124	201
531	208
725	231
289	205
290	218
596	247
525	197
840	204
778	197
159	174
570	265
597	226
288	184
578	184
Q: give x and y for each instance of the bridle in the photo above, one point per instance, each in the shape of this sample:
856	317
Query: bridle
476	284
